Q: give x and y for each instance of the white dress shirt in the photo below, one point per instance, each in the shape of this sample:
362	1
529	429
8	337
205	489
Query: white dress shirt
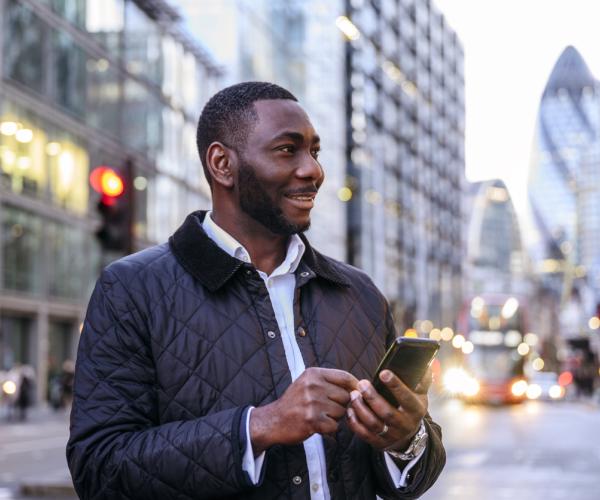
280	285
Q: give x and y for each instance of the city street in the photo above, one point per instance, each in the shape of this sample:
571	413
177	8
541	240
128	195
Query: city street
33	454
533	451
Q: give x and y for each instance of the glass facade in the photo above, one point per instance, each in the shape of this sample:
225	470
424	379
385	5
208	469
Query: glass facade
405	153
110	85
15	332
494	260
563	180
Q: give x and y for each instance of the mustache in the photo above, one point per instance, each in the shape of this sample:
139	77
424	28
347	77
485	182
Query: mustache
304	190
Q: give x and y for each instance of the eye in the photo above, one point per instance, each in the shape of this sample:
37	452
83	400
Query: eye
315	153
288	148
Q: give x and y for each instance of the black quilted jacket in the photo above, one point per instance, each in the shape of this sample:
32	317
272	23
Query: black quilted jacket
174	350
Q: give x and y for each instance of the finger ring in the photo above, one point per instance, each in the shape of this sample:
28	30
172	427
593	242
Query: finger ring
383	431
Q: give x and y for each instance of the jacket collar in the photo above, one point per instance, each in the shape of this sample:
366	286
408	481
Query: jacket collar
213	267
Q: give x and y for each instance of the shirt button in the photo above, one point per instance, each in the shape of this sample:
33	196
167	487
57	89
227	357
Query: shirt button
315	487
245	258
271	334
296	480
301	332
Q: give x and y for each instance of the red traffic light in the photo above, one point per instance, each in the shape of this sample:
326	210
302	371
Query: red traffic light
107	182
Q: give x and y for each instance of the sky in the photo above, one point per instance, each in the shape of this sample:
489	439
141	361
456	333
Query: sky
510	49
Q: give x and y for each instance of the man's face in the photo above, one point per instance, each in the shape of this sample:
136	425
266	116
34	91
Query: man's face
279	174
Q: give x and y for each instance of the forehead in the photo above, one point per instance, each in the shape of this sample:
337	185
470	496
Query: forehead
278	115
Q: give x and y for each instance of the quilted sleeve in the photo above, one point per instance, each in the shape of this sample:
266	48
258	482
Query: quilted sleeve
426	471
116	448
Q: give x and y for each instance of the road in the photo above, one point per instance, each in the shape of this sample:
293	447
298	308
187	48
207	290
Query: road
534	451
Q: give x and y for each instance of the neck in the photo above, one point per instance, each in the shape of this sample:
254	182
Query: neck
267	250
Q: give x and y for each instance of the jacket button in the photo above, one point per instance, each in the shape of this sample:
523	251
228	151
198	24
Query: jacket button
296	480
304	274
248	272
301	332
271	334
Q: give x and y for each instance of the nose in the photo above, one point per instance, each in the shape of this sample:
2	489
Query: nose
310	168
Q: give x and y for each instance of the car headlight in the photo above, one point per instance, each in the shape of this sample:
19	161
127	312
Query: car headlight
519	388
471	387
534	391
458	381
556	392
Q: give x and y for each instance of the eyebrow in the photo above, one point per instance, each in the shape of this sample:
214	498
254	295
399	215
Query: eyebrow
295	136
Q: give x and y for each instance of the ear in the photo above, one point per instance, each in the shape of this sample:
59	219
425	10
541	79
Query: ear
220	163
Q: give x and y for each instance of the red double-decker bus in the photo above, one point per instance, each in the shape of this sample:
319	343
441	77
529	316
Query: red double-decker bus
492	369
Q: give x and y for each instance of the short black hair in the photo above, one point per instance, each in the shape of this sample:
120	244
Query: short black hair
229	114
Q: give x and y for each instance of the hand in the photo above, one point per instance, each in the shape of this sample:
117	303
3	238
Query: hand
313	403
369	411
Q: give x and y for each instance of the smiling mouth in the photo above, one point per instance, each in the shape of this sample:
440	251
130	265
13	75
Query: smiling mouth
302	200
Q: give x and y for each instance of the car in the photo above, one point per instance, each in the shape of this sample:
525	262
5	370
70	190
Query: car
545	386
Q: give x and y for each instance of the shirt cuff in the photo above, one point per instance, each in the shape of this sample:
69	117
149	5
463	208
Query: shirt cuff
252	466
400	477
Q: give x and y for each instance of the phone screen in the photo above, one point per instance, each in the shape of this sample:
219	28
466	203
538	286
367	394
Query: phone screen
408	359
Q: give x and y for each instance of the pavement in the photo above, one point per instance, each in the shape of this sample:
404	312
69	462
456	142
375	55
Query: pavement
32	456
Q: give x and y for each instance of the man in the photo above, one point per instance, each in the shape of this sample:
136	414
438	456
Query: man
233	361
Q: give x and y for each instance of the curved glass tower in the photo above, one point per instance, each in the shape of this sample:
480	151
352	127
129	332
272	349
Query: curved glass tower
565	158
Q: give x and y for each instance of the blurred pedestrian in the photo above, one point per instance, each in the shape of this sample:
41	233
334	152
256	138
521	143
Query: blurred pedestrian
226	363
66	383
24	397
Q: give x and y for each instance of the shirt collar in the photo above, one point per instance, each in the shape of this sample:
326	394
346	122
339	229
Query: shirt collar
227	243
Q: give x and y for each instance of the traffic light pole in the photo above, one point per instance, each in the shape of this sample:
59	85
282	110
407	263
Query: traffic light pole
130	213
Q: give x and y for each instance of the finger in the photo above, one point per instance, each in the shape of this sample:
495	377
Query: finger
360	429
328	424
337	394
365	415
383	410
340	378
425	383
407	399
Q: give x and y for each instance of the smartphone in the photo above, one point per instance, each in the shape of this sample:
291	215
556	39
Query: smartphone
408	358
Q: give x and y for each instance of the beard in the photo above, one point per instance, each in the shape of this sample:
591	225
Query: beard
256	202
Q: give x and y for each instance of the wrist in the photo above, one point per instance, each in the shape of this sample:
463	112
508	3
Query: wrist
263	422
413	448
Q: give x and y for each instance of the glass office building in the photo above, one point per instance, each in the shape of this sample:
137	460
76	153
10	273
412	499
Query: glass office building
405	155
495	260
563	181
85	83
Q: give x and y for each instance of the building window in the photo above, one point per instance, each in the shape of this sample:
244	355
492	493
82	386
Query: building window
70	73
24	35
75	261
22	251
15	346
43	161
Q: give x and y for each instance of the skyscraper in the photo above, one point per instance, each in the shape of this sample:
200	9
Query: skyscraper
494	251
405	155
563	179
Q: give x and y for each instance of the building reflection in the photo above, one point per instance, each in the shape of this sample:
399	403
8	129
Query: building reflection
86	83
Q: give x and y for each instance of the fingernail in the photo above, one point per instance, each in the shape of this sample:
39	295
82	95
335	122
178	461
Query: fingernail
354	395
385	375
363	385
350	413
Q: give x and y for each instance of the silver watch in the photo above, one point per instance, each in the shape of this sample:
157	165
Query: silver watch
416	446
